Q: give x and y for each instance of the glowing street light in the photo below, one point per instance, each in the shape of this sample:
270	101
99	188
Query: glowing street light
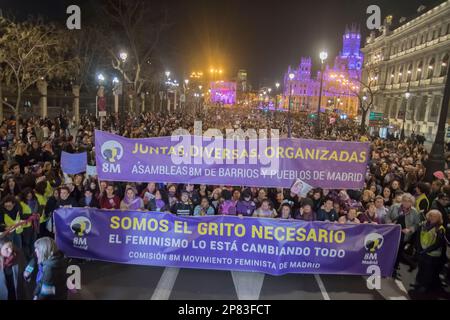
323	56
167	74
277	85
101	77
115	80
123	56
186	81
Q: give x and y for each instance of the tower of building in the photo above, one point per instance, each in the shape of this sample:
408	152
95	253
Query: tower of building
305	68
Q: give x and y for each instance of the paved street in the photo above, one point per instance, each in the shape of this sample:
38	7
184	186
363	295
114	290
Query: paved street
105	281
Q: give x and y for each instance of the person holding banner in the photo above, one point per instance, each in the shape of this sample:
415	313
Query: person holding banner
245	206
228	206
204	208
89	200
148	193
306	212
370	216
131	201
265	210
160	202
108	200
285	212
350	217
11	215
184	206
327	212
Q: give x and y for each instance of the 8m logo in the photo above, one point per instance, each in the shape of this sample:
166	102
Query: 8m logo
112	152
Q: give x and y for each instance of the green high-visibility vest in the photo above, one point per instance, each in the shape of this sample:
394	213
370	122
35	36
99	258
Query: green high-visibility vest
42	202
428	238
26	210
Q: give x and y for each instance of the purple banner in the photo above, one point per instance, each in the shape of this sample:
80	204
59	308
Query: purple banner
269	246
258	163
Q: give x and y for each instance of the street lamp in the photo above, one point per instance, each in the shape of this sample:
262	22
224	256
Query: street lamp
277	86
323	56
407	96
291	77
123	58
167	74
101	78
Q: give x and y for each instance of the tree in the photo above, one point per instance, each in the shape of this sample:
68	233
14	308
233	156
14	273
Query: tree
30	51
365	91
138	28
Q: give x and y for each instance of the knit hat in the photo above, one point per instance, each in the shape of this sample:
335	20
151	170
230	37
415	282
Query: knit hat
439	175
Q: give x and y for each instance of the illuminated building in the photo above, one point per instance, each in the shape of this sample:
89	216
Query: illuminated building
340	82
223	92
411	55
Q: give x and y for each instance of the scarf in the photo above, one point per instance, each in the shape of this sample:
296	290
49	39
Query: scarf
10	261
132	203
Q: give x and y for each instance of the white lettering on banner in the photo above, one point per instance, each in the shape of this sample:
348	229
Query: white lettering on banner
147	255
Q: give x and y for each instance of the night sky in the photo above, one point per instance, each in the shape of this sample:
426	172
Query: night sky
261	36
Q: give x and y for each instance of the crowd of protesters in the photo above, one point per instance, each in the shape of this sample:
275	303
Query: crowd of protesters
33	186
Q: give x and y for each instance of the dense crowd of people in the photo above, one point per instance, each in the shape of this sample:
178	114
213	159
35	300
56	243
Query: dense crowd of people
33	186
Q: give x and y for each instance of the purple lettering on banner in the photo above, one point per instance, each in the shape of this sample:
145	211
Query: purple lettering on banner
255	163
271	246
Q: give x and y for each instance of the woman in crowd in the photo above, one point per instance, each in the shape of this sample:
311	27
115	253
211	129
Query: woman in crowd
387	196
184	206
109	200
350	217
11	188
148	193
327	212
265	210
431	241
216	198
131	201
306	212
228	206
172	193
285	212
51	280
89	200
12	267
246	206
422	203
204	208
203	191
370	216
160	203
